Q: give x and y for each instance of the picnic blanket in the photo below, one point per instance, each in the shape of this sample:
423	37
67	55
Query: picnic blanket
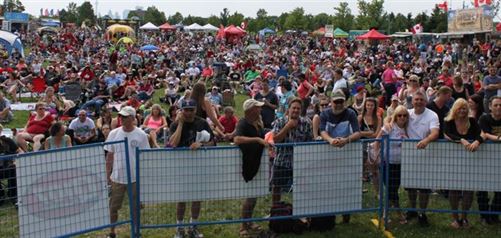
24	106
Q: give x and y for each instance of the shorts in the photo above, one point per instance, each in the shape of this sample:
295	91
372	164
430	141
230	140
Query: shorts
117	195
281	177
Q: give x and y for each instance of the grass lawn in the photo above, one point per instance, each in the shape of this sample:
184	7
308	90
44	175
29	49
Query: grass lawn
360	225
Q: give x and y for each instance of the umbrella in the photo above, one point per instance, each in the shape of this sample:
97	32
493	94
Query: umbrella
372	35
253	47
125	40
232	30
149	48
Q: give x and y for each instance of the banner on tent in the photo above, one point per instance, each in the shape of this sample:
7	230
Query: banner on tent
329	31
207	174
328	182
449	166
63	191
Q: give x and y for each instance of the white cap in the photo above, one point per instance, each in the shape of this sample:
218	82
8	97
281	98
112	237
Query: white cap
127	111
249	103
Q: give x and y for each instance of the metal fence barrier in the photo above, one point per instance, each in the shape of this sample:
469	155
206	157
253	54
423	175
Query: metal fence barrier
322	181
453	176
56	193
64	192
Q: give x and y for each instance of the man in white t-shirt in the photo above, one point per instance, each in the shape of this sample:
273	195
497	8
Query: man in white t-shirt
84	130
424	126
116	167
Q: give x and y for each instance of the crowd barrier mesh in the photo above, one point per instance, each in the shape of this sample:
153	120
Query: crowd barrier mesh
56	193
319	180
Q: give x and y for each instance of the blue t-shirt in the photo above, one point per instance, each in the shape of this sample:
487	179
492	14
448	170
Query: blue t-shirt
341	125
491	80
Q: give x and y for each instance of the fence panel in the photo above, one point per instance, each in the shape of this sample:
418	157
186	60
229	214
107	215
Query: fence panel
59	192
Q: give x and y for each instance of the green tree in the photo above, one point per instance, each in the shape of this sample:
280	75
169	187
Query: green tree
176	18
296	20
214	20
236	19
262	20
153	15
14	6
320	20
70	14
85	12
280	22
370	14
438	21
343	17
224	15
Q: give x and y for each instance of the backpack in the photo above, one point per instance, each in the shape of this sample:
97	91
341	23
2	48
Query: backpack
292	225
326	223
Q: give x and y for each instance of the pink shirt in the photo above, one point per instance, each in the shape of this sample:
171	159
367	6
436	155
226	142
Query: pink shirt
389	76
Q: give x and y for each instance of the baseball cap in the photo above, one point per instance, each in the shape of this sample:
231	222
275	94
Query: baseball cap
127	111
338	94
188	103
249	103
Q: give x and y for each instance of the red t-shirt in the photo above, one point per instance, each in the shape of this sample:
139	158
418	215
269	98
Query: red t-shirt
229	124
41	126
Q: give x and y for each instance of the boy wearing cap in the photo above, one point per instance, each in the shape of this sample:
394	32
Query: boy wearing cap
339	125
117	175
184	134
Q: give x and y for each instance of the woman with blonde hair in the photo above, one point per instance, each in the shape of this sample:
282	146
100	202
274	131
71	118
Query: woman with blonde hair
154	123
396	129
461	128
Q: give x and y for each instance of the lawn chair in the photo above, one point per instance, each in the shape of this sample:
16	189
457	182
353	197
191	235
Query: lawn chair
38	86
228	98
73	92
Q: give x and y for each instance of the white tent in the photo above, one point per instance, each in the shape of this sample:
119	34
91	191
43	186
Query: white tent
149	26
194	27
209	27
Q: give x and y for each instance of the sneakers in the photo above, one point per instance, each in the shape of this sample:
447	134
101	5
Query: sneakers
194	233
179	232
423	220
111	235
410	215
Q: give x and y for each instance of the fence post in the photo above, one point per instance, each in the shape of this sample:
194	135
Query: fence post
386	168
129	187
138	199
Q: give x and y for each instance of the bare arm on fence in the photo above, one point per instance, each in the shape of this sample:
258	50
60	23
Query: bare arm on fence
109	166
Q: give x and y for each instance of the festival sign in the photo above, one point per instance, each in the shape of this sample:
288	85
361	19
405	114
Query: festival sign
475	19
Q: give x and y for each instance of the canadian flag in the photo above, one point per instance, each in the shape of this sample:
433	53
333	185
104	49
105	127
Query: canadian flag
418	28
444	6
479	3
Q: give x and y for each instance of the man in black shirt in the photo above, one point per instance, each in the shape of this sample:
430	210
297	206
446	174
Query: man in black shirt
439	106
491	130
250	138
184	134
270	101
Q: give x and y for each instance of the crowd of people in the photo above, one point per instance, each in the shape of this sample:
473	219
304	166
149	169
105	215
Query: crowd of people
301	88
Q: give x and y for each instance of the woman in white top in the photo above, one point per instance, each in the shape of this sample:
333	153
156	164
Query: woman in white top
396	129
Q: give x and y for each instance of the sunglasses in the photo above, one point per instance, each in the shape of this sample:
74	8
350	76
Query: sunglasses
340	101
402	115
324	105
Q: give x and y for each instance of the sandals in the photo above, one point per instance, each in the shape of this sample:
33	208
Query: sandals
456	224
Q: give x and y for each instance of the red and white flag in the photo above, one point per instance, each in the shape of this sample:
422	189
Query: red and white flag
479	3
418	28
444	6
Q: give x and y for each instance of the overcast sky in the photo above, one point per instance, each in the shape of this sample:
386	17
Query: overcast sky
206	8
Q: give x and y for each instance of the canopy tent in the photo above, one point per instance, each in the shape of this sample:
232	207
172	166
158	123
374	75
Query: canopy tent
11	42
339	33
209	27
372	35
265	31
319	32
149	48
125	40
47	30
149	27
167	27
232	30
117	31
194	27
